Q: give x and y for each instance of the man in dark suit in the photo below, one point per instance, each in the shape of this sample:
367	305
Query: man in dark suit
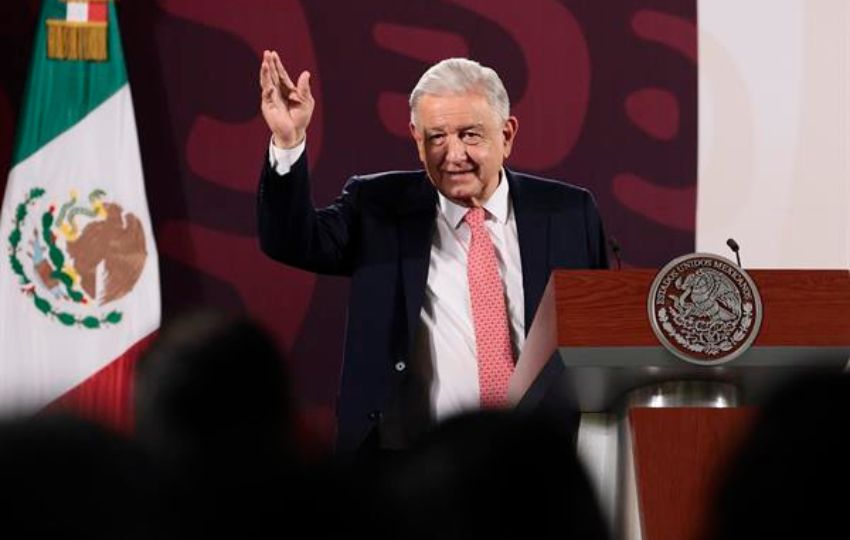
448	263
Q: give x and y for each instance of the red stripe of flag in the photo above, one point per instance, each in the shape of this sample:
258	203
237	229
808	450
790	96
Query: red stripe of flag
107	396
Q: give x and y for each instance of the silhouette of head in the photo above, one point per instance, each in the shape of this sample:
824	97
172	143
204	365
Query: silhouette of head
66	477
213	388
790	477
492	473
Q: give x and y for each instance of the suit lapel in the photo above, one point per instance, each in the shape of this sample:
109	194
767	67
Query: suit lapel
416	228
533	232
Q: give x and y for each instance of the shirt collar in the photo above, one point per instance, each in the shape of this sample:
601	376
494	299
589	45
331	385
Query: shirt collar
497	205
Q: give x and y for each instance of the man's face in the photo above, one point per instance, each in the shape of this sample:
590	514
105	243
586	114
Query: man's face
462	144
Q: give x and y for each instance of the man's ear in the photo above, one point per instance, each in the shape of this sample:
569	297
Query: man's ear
419	138
509	130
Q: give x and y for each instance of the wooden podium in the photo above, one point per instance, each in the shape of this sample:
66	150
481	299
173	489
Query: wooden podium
592	341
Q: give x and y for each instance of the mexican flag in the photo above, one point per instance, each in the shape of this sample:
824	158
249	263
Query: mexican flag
79	285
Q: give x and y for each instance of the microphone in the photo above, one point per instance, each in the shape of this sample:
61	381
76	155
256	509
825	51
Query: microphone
733	245
615	249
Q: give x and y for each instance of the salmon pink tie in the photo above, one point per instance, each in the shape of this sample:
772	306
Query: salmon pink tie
489	314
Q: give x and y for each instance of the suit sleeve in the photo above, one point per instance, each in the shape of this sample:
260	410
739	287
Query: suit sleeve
294	232
597	242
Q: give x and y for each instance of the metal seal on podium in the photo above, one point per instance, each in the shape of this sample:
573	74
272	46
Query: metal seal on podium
704	309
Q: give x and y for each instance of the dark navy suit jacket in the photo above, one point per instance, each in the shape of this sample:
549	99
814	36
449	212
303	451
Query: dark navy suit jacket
379	232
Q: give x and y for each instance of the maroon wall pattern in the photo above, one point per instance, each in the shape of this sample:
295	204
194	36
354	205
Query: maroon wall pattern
605	94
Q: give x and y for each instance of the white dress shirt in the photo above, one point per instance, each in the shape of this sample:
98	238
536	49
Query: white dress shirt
445	344
446	339
281	159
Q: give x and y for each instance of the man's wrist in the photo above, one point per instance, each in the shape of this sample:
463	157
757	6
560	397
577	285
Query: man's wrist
281	143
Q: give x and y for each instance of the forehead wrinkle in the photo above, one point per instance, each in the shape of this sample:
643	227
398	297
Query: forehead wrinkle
462	103
464	127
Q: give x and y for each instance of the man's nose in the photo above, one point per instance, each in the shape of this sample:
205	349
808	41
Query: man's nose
456	150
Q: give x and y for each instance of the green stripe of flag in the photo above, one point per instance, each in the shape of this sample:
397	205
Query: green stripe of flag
60	93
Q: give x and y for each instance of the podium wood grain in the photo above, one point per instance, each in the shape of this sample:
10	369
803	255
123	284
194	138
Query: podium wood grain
598	308
680	455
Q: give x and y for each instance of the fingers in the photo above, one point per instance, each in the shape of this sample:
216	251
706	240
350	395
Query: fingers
304	85
272	72
265	72
274	75
269	79
281	72
295	93
267	95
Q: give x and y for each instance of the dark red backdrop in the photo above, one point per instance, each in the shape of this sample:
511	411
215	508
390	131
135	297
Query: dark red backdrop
605	94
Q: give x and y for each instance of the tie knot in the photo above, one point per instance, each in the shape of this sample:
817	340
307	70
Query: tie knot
475	217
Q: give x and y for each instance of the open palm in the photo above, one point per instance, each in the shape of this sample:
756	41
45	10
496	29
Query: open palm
287	107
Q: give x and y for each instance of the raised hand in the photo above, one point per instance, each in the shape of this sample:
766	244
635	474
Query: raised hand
287	107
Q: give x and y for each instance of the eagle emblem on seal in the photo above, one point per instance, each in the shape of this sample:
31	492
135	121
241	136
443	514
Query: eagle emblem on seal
704	309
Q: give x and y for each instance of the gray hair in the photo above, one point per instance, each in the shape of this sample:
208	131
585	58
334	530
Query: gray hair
459	76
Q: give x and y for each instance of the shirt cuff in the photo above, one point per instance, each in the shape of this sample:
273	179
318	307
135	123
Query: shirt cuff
281	159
